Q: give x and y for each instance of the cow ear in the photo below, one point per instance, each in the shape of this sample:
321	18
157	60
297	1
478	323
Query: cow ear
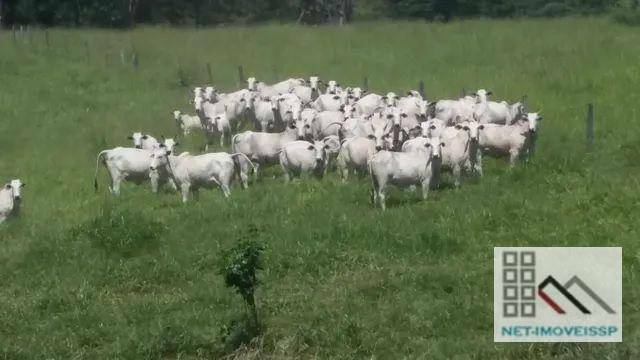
442	144
465	127
336	97
130	137
176	144
23	185
145	137
540	118
458	127
489	93
7	186
163	145
480	127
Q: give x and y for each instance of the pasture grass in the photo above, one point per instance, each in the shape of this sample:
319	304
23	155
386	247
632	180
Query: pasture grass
84	275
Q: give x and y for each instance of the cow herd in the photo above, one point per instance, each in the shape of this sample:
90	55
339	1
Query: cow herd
308	126
397	140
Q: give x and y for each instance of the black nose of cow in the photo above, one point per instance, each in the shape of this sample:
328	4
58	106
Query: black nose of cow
378	148
152	168
138	146
300	137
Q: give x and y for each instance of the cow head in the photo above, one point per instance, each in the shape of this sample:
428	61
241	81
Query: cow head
381	131
415	94
482	96
516	110
15	187
211	94
294	118
473	128
356	93
169	144
176	115
532	120
138	138
332	87
313	83
159	158
308	117
252	84
220	120
434	147
391	99
349	110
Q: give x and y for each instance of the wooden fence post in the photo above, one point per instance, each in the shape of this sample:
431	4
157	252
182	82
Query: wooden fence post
421	88
590	127
365	84
135	61
122	59
13	30
209	73
46	38
241	79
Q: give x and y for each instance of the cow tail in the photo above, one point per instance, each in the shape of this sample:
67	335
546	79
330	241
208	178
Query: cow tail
95	177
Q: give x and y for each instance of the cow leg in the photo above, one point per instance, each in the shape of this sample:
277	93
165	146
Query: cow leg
255	170
225	189
195	192
154	182
426	183
513	157
457	175
185	187
478	164
115	190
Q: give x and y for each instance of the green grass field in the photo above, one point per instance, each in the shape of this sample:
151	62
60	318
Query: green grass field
341	279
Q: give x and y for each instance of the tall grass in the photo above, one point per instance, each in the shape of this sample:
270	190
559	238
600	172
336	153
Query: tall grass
341	279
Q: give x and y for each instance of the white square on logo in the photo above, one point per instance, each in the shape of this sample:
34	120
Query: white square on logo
528	292
510	276
527	276
511	292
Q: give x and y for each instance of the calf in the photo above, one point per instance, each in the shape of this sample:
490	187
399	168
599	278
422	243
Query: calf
10	199
191	173
187	123
404	169
303	156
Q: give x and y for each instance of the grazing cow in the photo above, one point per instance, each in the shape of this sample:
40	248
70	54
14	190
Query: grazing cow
263	148
192	172
143	141
510	140
131	165
404	169
354	155
187	123
10	199
297	157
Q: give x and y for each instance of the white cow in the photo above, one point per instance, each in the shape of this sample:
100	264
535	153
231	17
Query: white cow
265	112
192	172
129	164
263	148
354	155
328	102
282	87
404	169
143	141
299	157
368	104
454	111
220	126
310	93
510	140
327	123
433	127
461	148
10	199
187	123
211	94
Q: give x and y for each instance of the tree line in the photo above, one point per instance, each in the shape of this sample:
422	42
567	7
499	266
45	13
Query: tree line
126	13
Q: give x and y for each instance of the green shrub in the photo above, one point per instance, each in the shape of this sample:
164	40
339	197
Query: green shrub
626	16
